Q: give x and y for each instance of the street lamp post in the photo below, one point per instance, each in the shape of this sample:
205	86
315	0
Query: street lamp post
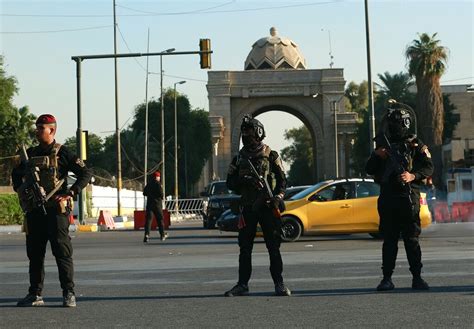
336	148
163	177
176	147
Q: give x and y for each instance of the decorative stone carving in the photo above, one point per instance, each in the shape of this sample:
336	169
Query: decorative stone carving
275	52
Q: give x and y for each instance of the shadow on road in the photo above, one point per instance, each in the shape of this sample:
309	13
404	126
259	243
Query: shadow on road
296	293
366	291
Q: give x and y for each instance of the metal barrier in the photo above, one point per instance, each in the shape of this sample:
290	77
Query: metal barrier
186	209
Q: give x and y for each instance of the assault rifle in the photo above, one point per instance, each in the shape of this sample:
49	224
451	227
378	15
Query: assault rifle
263	185
31	192
32	195
397	163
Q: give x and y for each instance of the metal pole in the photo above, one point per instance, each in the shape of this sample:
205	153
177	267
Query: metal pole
163	179
369	73
175	152
336	148
117	128
79	147
146	120
176	147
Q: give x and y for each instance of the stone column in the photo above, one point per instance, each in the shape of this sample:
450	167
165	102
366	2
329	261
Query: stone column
217	133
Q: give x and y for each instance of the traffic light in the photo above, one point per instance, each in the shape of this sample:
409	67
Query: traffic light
205	46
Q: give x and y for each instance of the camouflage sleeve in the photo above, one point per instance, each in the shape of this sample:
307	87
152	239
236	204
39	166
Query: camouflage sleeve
422	163
77	166
279	172
233	181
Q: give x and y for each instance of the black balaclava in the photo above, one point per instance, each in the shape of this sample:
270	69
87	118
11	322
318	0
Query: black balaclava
252	132
399	123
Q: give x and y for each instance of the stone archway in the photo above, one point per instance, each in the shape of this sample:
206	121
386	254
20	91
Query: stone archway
299	110
232	94
276	78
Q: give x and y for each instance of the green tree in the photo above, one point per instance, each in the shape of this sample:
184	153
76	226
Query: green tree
16	124
193	125
360	150
357	96
427	62
450	120
300	156
95	148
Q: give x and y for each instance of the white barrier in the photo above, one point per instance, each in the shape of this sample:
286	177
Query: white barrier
185	209
105	198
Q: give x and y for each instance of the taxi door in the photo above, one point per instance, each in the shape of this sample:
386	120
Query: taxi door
366	215
331	209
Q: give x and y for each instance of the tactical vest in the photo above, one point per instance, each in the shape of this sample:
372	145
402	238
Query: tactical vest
261	162
48	168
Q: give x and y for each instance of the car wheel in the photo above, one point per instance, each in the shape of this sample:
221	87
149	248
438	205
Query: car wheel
290	229
377	236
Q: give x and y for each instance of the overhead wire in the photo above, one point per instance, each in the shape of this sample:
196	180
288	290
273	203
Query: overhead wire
195	12
57	31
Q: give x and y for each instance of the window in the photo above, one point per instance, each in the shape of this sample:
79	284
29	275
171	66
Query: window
466	185
335	192
451	185
366	189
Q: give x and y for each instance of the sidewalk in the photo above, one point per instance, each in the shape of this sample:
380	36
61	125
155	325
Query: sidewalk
90	225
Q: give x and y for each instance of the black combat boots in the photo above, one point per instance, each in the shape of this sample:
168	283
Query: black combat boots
386	284
31	300
419	284
282	290
238	290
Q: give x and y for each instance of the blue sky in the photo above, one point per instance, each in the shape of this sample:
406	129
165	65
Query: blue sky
46	74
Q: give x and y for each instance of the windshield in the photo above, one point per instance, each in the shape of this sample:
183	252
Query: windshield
308	191
219	189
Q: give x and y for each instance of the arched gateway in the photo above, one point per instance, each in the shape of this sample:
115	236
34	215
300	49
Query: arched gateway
276	78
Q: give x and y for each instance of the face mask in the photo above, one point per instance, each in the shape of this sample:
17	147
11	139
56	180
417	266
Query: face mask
397	130
249	141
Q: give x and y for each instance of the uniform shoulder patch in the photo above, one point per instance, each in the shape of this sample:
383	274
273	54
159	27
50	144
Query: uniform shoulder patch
424	150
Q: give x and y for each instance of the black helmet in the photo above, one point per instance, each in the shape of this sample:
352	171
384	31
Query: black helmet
399	122
250	123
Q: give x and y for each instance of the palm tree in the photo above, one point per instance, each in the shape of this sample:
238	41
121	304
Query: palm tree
395	86
427	63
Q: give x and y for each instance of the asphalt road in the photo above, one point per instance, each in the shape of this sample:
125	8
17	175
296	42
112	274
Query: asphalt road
179	283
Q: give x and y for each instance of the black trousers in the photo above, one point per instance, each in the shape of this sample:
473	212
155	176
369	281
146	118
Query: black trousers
397	217
52	227
149	218
271	228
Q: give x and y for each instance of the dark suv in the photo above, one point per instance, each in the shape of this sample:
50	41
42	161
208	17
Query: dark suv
220	199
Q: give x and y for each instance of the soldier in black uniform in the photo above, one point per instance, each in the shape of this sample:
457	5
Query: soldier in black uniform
53	161
154	193
399	200
255	205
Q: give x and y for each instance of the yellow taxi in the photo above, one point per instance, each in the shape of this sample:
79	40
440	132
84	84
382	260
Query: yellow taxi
342	206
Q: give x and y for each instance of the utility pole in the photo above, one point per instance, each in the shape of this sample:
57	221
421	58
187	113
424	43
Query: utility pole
369	80
162	103
146	117
117	128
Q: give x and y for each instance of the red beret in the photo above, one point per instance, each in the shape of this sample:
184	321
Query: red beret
45	119
157	174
